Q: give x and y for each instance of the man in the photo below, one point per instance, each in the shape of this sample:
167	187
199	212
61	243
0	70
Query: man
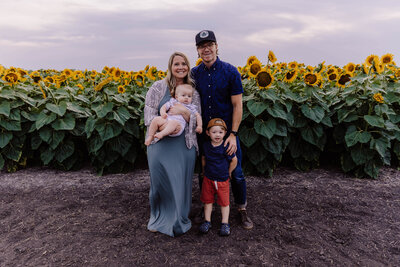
220	87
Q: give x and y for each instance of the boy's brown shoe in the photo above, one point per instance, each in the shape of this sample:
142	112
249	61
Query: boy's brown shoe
245	220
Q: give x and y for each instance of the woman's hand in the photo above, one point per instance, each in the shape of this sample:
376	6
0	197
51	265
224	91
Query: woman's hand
179	109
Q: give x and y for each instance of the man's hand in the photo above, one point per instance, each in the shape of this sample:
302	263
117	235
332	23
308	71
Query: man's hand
231	140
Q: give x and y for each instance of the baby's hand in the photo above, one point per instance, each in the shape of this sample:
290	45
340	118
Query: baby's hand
164	116
199	129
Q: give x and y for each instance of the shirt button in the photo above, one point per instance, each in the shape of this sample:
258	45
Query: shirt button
209	96
209	74
209	106
209	85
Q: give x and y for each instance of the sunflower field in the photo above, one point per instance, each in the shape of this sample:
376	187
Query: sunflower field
293	113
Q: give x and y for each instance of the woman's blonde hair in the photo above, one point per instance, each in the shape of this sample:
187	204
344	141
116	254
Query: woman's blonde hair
171	80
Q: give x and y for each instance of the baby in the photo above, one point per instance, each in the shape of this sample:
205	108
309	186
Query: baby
173	125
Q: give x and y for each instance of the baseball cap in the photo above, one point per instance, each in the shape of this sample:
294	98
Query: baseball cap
205	35
216	122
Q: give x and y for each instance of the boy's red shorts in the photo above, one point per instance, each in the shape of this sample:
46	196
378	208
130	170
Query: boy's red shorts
210	188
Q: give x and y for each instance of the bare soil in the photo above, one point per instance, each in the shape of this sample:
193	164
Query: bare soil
319	218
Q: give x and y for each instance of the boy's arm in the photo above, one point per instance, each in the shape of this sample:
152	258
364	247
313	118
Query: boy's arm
232	165
203	163
199	122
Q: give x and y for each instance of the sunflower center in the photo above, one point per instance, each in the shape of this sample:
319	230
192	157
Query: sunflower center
255	68
332	76
11	77
344	79
36	79
311	78
264	79
289	75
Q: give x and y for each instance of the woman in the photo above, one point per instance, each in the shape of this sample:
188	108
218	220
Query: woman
171	159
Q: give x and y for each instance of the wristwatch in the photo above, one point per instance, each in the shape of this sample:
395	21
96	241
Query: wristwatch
234	133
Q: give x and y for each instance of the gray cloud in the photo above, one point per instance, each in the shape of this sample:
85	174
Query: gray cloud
306	31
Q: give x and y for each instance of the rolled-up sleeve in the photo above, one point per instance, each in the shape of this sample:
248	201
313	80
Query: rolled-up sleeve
151	103
190	134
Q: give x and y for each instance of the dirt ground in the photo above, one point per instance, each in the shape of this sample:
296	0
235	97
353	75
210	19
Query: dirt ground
319	218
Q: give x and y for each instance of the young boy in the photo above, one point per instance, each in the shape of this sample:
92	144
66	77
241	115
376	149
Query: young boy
173	125
218	167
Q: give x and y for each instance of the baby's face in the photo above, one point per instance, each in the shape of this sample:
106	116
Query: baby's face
184	94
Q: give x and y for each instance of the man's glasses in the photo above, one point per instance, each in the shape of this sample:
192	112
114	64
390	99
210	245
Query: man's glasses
206	45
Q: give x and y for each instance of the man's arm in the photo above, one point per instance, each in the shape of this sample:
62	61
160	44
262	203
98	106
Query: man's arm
232	165
236	119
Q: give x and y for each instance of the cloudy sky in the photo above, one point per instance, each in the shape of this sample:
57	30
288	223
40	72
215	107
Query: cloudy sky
129	34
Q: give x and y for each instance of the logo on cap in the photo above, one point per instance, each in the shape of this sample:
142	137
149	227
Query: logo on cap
204	34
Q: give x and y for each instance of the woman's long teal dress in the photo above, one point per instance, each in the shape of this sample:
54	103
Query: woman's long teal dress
171	166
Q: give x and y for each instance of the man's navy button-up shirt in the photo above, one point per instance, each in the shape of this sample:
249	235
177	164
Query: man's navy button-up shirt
216	85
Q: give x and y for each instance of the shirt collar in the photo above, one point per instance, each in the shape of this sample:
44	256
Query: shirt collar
213	66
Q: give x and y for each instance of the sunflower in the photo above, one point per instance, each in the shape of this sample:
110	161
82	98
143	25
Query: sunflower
331	70
78	74
290	76
251	59
161	74
36	77
333	76
111	70
264	79
106	69
293	65
397	73
93	74
379	68
139	79
311	78
378	98
343	79
11	77
370	59
116	74
387	59
310	68
255	67
350	67
146	68
199	61
67	72
365	68
121	89
48	80
80	86
271	56
12	69
151	74
22	72
102	84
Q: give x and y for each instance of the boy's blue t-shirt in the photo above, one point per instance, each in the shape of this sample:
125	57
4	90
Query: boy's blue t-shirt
217	162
